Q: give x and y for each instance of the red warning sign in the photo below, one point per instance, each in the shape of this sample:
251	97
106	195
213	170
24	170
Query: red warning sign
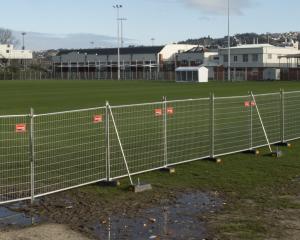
21	128
158	112
98	119
247	104
170	111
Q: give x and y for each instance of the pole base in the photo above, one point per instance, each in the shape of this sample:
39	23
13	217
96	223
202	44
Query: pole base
253	151
169	170
277	154
114	183
140	188
216	160
285	144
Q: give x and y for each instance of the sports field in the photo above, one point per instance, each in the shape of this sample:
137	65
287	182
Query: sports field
48	96
242	179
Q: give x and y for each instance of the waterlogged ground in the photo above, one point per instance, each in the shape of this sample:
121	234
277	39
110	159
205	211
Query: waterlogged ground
180	216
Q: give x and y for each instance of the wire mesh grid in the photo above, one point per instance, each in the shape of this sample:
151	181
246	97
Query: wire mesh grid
70	150
232	125
270	109
188	132
141	133
15	181
291	115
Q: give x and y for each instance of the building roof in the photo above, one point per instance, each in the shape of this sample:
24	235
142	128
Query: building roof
113	51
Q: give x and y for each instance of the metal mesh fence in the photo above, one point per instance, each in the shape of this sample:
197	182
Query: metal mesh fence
69	149
269	106
232	125
47	153
15	168
291	115
188	130
141	132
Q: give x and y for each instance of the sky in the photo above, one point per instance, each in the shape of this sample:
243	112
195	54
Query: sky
165	20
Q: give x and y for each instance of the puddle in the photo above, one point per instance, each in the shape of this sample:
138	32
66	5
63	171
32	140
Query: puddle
11	218
181	220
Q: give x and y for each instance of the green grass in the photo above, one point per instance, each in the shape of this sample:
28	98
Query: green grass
242	179
49	96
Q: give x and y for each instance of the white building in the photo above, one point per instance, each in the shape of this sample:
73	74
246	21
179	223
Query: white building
8	52
248	62
192	74
200	56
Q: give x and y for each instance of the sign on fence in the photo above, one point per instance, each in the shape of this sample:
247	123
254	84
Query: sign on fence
21	128
98	119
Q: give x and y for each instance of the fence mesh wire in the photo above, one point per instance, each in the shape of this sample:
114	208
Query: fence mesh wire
188	130
76	148
141	132
232	119
291	115
14	158
269	106
69	149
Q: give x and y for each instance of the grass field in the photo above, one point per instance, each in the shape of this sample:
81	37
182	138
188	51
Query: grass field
254	187
49	96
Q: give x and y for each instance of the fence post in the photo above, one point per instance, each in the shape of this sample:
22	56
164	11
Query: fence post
165	119
107	133
32	153
212	125
282	112
251	122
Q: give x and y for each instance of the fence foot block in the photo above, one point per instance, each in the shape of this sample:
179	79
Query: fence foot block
141	188
169	170
277	154
253	151
216	160
285	144
115	183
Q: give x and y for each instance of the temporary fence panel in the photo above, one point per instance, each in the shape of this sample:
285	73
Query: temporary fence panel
70	149
188	130
141	133
47	153
269	106
291	103
232	125
15	166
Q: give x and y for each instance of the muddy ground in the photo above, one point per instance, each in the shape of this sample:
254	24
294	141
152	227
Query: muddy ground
168	215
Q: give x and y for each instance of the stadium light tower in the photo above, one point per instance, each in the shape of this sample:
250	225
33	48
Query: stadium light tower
117	7
229	45
122	39
23	39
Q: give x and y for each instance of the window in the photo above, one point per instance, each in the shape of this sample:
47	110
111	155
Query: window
7	51
270	56
225	58
235	58
245	58
255	57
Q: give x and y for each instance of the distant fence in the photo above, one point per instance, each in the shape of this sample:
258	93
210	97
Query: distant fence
41	154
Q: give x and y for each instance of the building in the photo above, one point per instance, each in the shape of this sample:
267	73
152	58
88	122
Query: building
10	55
135	62
248	62
200	56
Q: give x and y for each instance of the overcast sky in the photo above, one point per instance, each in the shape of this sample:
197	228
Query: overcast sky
165	20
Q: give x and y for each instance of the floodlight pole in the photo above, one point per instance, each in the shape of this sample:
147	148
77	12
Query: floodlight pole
118	34
122	39
23	39
229	50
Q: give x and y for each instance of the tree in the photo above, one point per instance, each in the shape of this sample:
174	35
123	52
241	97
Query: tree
7	37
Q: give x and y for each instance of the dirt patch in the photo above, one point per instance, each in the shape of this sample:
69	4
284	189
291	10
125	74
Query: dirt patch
45	232
175	215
